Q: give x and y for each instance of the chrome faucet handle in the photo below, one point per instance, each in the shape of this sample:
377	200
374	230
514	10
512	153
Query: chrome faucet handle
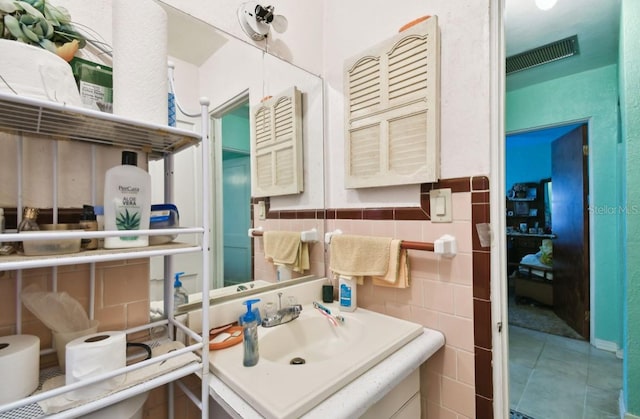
279	301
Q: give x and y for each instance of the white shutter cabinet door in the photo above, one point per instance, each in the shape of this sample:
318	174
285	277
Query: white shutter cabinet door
277	148
392	112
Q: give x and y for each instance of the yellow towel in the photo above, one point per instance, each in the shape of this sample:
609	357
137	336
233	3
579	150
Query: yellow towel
397	275
286	248
359	255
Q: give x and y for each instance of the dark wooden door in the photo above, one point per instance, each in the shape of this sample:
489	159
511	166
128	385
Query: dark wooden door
570	222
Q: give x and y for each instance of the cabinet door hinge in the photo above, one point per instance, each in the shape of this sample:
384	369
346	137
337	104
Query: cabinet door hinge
585	150
499	327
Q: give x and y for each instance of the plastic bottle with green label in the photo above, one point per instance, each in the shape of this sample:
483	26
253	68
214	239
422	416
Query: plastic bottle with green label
127	196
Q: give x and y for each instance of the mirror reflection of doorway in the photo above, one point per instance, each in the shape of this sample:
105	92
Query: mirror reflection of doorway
236	195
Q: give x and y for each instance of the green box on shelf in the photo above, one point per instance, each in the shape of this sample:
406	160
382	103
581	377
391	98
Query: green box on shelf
95	83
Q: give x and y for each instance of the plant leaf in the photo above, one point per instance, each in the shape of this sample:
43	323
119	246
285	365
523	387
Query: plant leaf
14	26
47	28
48	45
38	4
59	13
7	6
31	35
30	9
50	16
27	20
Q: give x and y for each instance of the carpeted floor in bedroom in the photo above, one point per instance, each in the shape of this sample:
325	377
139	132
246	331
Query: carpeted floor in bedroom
532	315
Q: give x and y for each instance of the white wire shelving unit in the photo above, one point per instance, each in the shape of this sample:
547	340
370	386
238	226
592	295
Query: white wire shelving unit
23	116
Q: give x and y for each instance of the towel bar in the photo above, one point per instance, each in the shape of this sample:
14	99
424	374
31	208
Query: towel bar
305	236
255	232
445	245
429	247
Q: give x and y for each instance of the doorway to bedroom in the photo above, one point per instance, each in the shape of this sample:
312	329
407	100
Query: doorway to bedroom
548	230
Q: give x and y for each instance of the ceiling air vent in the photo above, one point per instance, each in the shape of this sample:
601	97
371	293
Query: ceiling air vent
557	50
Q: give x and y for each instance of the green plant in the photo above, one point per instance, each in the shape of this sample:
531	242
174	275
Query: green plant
39	23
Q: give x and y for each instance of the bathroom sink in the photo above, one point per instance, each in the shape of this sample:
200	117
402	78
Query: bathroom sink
309	338
282	386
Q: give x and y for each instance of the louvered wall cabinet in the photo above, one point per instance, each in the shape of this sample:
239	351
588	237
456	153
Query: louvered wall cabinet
392	110
276	143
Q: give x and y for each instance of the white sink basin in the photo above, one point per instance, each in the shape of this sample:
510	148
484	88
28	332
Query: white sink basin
334	356
309	338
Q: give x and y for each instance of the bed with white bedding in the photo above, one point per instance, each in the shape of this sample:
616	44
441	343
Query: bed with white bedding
534	280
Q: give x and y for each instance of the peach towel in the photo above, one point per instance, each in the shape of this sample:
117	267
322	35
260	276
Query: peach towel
286	248
359	255
397	276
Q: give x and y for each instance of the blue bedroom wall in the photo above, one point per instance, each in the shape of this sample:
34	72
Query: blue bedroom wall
527	163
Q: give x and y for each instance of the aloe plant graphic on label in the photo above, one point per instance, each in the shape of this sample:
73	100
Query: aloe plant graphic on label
128	189
128	221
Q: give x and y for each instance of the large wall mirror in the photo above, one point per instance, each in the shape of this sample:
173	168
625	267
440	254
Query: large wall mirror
236	75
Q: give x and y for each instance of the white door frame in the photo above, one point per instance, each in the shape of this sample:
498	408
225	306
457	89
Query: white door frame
499	329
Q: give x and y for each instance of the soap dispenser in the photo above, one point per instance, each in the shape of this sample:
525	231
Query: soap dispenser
180	296
249	322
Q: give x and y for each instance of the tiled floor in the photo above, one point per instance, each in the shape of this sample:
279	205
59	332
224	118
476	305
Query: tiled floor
553	377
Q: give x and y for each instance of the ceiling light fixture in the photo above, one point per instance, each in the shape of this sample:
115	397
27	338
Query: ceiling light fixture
546	4
256	20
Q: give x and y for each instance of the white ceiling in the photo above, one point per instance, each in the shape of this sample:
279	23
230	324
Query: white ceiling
596	22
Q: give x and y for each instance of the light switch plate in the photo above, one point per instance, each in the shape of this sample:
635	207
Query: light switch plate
262	211
440	203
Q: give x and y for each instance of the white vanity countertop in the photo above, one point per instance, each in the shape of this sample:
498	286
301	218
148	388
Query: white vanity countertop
357	396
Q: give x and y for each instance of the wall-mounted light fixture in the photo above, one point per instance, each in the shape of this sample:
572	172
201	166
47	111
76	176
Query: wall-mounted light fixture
256	20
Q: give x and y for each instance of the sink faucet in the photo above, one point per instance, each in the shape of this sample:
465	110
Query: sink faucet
283	315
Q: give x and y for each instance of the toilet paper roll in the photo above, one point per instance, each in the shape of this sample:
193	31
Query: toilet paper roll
92	355
140	60
19	366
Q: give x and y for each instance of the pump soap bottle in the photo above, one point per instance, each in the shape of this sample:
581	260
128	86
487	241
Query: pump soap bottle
180	296
249	322
127	196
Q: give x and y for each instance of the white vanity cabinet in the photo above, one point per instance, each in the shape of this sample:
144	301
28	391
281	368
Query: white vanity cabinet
21	116
403	402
